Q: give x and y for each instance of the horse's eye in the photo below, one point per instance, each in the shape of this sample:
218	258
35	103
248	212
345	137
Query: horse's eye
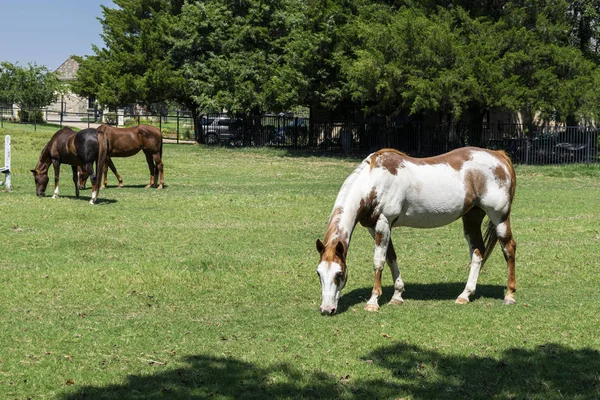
338	277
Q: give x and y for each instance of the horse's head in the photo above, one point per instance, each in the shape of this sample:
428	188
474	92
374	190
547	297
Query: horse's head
82	177
333	274
40	176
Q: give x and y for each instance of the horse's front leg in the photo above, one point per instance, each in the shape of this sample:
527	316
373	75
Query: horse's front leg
112	167
75	179
392	262
382	238
56	165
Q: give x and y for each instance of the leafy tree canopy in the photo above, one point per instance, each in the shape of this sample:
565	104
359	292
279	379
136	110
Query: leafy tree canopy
29	87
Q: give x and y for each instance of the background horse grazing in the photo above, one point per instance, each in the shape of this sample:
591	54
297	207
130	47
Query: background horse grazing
125	142
83	175
76	149
391	189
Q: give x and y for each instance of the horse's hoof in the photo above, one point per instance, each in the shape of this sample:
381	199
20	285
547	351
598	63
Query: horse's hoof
159	187
121	186
371	307
396	302
509	302
461	300
55	197
148	186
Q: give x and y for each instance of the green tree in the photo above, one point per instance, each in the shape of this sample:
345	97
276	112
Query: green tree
30	87
134	66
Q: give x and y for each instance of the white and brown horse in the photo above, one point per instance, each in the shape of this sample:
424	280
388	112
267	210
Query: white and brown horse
391	189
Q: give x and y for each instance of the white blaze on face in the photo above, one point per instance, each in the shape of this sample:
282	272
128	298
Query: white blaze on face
332	282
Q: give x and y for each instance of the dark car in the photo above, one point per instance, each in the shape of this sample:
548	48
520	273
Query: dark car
222	129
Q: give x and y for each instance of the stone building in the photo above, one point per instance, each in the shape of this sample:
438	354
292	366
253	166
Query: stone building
70	103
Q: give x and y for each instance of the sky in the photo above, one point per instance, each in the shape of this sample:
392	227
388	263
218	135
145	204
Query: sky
48	32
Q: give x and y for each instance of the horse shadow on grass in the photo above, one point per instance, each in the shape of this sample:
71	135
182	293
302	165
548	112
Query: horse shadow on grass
420	291
398	370
99	200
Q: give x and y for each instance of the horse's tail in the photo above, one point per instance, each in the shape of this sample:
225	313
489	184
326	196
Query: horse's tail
490	238
102	156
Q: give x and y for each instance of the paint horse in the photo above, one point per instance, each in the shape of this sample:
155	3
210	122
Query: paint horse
81	149
126	142
390	189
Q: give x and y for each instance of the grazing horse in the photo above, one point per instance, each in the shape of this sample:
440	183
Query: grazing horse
79	149
390	189
83	175
126	142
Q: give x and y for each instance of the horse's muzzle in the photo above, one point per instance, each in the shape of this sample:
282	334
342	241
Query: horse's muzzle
327	310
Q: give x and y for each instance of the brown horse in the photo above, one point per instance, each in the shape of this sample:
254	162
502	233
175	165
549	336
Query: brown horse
77	149
126	142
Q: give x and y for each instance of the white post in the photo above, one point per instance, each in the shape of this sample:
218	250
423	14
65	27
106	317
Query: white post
120	116
6	168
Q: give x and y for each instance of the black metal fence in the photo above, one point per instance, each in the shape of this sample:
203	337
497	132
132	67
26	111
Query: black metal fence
525	144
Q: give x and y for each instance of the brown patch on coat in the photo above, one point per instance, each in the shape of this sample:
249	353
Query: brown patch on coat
378	237
475	187
335	247
500	173
366	214
392	160
388	159
455	158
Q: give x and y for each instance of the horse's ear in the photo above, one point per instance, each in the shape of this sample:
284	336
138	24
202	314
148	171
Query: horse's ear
320	247
34	172
340	250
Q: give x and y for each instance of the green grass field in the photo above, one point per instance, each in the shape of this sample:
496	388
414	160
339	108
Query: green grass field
207	289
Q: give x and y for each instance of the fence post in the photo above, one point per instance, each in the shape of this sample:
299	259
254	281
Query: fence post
6	168
177	125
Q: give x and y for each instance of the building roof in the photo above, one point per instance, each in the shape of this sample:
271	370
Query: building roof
68	70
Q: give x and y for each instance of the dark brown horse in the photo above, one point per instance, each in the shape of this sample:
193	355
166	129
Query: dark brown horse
78	149
126	142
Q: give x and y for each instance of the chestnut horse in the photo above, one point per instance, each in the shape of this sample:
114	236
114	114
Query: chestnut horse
390	189
79	149
126	142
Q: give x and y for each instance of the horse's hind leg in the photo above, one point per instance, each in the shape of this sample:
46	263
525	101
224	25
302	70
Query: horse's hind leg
392	262
472	231
151	167
509	247
158	171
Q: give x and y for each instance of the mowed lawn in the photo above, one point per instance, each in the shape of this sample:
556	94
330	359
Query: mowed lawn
207	289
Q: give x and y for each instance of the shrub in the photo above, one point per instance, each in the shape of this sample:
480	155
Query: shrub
31	116
110	118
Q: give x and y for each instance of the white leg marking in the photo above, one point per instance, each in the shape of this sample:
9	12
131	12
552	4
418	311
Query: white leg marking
398	284
501	230
94	197
472	281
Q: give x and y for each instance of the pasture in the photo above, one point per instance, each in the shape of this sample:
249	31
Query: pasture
207	288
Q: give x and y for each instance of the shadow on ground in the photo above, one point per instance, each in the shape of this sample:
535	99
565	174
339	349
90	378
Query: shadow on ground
420	291
548	371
